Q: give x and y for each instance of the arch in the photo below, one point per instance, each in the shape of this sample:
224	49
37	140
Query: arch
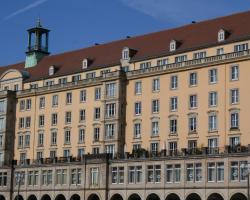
13	74
116	197
153	196
215	196
93	197
193	196
134	197
19	197
75	197
173	196
32	197
238	196
45	197
2	197
60	197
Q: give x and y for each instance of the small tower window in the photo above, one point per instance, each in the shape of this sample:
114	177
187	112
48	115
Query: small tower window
125	54
51	70
85	64
172	46
221	35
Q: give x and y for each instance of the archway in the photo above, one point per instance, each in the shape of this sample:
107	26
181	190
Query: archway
75	197
215	196
173	196
60	197
238	196
45	197
134	197
32	197
19	197
116	197
2	197
93	197
193	196
153	196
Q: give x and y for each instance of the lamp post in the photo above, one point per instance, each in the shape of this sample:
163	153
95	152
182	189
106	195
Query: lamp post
19	177
246	166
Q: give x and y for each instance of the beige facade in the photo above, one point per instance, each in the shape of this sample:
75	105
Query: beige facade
165	126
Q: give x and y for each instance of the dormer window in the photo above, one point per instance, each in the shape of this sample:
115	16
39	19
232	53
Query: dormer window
222	35
172	46
125	54
51	70
85	64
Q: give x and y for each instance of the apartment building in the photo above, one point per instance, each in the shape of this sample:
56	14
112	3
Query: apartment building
163	116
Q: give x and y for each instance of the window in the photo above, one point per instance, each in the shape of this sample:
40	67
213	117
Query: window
154	173
125	54
193	101
76	176
94	176
212	122
235	73
16	87
39	155
47	177
21	122
53	138
138	87
154	147
181	58
172	147
173	173
81	152
138	108
27	122
162	62
54	119
135	174
194	172
41	120
61	176
234	141
110	110
82	115
192	124
3	178
51	70
28	104
173	103
125	69
110	149
97	113
95	150
42	102
241	47
238	170
172	45
220	51
83	96
54	100
66	153
49	83
234	120
81	136
155	106
85	63
20	141
76	78
212	144
22	105
215	172
117	174
27	140
62	81
173	126
199	55
68	98
97	94
234	96
33	177
193	79
109	131
156	85
67	138
137	130
111	90
68	117
2	122
192	145
33	85
213	75
136	146
155	128
221	36
145	65
90	75
40	139
96	134
212	99
174	82
52	154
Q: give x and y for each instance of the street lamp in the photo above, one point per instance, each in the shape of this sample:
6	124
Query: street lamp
19	177
246	166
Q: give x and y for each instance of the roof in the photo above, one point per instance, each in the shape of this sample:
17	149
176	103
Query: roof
191	37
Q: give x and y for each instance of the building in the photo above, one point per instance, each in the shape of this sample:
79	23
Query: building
163	116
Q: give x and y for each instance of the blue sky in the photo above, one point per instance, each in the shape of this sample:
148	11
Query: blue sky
76	24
